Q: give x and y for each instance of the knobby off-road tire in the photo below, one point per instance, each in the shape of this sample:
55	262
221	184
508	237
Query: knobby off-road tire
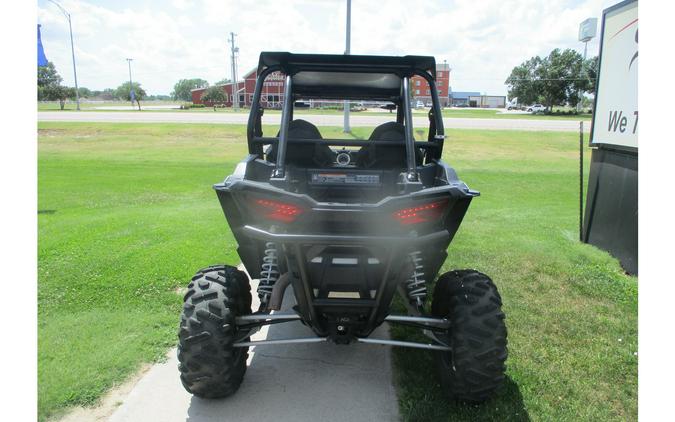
209	366
474	369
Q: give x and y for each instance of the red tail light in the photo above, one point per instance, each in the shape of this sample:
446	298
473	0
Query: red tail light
422	213
278	211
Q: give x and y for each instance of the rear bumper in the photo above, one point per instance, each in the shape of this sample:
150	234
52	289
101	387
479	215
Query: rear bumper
265	235
315	248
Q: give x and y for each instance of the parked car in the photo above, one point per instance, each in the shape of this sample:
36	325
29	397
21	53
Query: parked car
419	104
357	107
536	108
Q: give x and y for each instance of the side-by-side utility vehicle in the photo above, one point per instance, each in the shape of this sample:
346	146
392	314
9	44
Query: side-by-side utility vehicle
346	224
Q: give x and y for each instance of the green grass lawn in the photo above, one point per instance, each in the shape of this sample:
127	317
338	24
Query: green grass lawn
571	311
127	214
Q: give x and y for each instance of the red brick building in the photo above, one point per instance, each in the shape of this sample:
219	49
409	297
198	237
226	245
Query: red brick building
420	87
273	89
272	93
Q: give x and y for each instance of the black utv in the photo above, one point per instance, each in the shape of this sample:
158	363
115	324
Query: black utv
346	224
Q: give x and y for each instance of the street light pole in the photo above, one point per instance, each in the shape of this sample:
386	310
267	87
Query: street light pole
587	30
235	85
72	50
346	128
131	85
583	64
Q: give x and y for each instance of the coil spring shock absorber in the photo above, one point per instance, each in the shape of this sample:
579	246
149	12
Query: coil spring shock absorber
269	273
415	285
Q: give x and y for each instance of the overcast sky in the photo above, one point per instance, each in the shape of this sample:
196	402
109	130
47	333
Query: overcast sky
482	40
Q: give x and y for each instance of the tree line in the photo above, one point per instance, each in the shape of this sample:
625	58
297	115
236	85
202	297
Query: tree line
50	88
182	90
554	80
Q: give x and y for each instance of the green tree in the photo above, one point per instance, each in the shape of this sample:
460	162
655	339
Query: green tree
591	72
85	92
58	93
214	95
523	82
564	78
108	94
123	92
553	80
49	86
160	97
223	81
47	75
182	89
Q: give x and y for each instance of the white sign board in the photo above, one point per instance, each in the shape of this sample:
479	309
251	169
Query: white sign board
588	29
615	120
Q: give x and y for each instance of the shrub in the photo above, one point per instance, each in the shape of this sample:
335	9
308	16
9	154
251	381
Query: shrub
187	106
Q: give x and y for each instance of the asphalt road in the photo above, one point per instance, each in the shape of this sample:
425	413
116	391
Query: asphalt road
300	383
317	119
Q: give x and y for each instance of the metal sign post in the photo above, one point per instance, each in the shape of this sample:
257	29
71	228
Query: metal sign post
581	181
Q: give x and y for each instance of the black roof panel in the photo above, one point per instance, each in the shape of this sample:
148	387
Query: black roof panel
402	65
340	76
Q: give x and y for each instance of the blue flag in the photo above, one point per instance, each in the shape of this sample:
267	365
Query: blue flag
42	59
131	94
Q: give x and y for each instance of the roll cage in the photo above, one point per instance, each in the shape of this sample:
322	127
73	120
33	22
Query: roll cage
329	77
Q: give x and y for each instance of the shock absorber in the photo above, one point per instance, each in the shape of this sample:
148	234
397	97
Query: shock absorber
415	285
268	274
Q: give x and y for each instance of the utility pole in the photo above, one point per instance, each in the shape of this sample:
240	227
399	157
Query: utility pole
346	128
131	85
235	85
72	51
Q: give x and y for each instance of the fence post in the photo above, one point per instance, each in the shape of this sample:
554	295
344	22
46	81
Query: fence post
581	181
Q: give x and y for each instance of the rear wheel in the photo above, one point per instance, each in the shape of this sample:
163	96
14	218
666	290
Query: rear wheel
209	365
474	368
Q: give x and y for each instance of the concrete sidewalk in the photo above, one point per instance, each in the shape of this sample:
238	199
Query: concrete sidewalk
303	382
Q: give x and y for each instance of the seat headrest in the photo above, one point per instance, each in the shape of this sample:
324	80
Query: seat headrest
303	129
390	131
